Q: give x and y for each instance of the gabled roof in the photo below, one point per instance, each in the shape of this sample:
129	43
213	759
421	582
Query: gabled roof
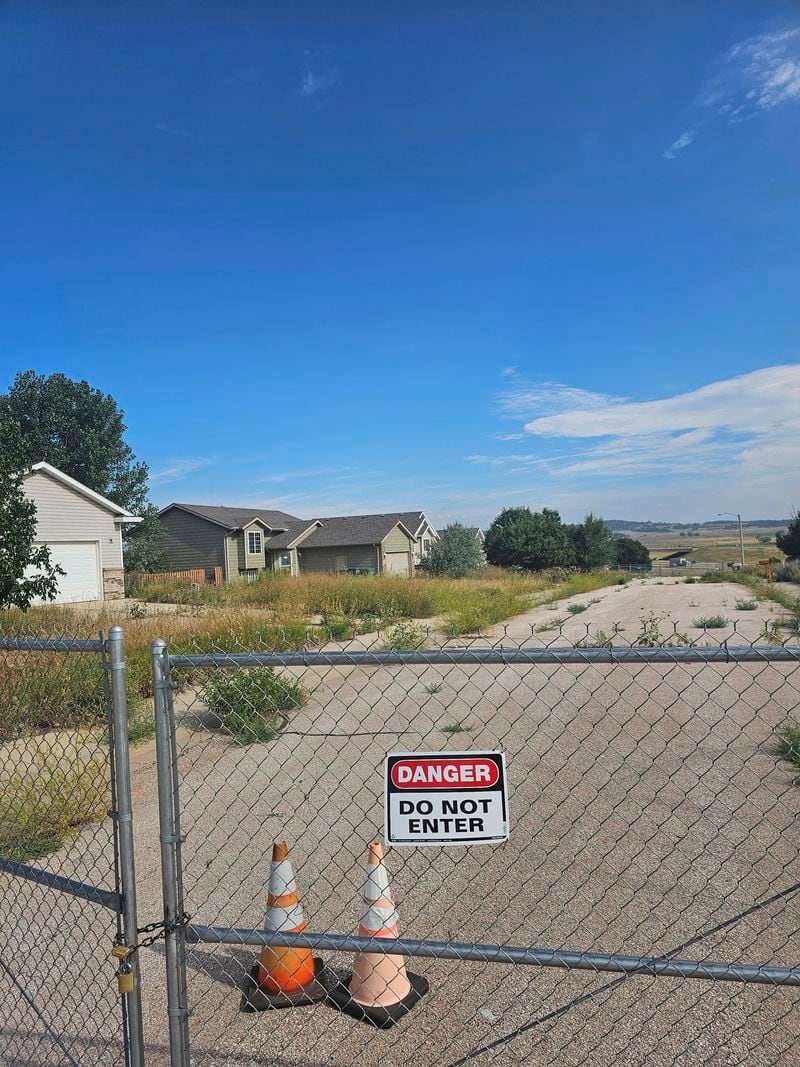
281	541
236	518
414	521
120	513
341	530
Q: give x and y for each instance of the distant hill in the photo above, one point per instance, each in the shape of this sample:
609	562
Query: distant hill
636	526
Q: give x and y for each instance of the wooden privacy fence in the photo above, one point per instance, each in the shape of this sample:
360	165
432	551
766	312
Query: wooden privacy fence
197	576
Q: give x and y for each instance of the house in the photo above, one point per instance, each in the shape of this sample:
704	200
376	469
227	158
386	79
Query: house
83	531
424	533
244	541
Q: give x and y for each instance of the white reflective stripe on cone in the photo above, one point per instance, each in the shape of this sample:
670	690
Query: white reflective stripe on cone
281	878
377	885
284	919
377	918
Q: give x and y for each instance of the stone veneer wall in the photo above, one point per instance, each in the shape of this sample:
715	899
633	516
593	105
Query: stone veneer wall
113	583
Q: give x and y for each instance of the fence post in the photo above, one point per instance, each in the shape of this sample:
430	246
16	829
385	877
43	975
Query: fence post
124	818
171	872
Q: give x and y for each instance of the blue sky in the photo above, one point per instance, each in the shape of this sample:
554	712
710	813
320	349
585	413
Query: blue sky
361	257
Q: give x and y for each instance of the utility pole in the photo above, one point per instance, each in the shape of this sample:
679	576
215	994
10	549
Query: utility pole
738	518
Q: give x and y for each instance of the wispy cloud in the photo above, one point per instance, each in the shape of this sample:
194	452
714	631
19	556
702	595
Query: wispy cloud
522	399
317	83
755	76
747	424
682	142
178	469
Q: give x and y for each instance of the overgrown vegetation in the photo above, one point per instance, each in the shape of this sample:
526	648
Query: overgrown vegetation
710	622
44	804
746	605
251	705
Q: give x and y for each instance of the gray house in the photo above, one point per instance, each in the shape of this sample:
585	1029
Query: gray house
83	531
243	541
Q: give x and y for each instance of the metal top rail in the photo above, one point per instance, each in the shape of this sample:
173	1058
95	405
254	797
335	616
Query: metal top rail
486	656
536	957
50	644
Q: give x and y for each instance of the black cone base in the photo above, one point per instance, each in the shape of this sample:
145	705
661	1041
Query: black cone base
255	999
383	1018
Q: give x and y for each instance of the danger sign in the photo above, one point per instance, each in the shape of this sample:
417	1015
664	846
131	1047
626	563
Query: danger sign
446	798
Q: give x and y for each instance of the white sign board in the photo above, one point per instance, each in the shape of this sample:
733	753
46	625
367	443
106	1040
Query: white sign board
446	798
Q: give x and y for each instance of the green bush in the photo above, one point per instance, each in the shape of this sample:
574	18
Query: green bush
404	637
251	705
746	605
710	622
788	571
576	609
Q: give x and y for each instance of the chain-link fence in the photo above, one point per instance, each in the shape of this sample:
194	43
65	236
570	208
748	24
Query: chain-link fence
647	891
64	810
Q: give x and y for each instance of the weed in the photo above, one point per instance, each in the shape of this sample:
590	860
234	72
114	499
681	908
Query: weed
617	628
405	637
772	634
141	723
251	705
694	603
690	581
650	630
710	622
551	624
456	728
596	600
43	806
576	609
789	741
746	605
432	688
137	611
598	640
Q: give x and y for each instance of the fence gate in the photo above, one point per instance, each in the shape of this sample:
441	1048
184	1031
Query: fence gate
643	909
66	898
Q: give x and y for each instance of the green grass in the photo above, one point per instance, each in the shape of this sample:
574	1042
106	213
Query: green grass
710	622
551	624
456	728
251	705
42	807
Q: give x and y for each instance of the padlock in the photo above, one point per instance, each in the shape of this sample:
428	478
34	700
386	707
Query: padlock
125	980
121	952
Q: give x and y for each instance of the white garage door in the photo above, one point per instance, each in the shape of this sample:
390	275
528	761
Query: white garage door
396	563
79	561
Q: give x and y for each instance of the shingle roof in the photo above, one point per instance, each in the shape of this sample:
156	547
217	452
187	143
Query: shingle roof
412	520
234	518
350	530
283	540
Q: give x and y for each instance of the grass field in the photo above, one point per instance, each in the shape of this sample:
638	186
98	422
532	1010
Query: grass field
713	545
44	691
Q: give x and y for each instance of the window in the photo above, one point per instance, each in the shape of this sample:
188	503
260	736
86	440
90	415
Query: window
286	559
254	543
426	545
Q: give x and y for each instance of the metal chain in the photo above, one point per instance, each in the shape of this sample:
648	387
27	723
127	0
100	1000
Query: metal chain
157	930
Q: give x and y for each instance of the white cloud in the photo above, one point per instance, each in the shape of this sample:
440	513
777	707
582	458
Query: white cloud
756	75
748	426
177	470
682	142
770	68
523	399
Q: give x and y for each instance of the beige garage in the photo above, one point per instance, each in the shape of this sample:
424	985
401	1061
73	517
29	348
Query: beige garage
83	531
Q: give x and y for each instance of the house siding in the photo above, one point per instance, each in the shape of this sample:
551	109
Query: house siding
232	556
397	541
62	514
325	559
254	561
191	542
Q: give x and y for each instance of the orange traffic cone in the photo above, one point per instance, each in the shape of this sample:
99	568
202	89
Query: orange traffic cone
379	991
283	977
